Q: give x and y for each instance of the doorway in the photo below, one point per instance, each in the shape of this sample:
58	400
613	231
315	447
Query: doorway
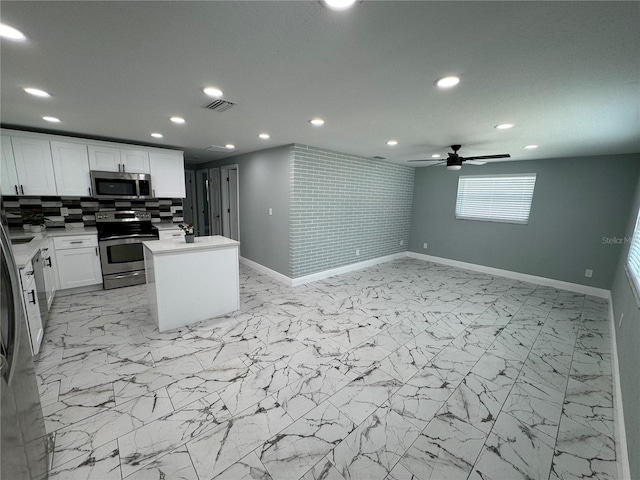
230	202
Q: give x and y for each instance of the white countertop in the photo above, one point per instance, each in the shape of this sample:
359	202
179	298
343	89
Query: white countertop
24	252
178	245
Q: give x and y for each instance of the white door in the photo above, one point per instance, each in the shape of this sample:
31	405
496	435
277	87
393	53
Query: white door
233	204
214	201
71	166
9	179
105	159
34	166
78	267
135	161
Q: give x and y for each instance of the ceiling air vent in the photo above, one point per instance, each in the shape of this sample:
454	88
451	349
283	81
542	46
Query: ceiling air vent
216	148
378	157
219	105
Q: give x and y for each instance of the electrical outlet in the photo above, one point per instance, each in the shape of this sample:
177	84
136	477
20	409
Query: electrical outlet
401	242
588	273
357	252
270	211
424	245
64	211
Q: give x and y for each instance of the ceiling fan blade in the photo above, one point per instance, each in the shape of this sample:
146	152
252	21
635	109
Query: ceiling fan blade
486	157
475	162
439	164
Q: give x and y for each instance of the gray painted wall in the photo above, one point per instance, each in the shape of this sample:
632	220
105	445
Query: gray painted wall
342	203
576	202
263	184
628	342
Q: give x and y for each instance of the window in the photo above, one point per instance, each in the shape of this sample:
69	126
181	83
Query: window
633	259
495	198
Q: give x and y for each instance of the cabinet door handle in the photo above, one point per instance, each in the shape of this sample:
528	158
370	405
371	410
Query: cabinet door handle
33	297
22	189
29	273
96	251
123	168
76	242
49	264
154	192
119	167
16	187
89	191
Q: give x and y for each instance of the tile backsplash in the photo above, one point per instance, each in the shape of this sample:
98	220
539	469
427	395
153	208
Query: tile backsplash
82	210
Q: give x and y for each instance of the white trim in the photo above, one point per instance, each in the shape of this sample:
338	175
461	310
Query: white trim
525	277
77	290
267	271
622	454
314	277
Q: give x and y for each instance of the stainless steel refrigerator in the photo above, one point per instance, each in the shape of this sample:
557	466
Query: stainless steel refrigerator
23	441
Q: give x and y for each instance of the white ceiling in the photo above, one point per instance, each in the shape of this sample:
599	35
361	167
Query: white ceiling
566	73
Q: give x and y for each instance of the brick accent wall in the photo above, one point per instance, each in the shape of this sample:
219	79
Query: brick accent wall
341	203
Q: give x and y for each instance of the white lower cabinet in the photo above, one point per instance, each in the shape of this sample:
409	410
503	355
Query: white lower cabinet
32	310
50	270
78	261
168	234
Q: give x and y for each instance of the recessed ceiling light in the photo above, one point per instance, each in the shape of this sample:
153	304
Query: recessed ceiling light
179	120
230	146
392	143
448	82
505	126
339	4
157	135
264	136
52	119
530	147
10	33
435	155
318	122
213	92
37	92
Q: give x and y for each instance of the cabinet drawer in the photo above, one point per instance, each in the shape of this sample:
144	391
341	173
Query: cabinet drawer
26	275
168	234
75	241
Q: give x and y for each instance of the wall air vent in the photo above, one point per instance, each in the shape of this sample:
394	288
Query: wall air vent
219	105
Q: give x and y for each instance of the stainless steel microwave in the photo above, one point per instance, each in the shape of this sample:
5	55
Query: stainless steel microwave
126	186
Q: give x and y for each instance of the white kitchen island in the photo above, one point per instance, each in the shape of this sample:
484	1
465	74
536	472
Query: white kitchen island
190	282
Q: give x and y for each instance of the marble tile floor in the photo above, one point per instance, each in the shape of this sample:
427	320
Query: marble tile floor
406	370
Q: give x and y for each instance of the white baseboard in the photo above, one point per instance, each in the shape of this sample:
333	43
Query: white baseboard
75	291
622	454
524	277
267	271
314	277
294	282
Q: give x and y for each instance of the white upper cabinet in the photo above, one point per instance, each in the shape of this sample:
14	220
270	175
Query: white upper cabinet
71	166
167	174
135	161
9	177
110	159
105	159
34	166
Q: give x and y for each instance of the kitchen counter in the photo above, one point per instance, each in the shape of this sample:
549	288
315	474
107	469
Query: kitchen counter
24	252
166	226
190	282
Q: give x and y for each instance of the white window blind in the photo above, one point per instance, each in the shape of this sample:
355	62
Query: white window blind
495	198
633	259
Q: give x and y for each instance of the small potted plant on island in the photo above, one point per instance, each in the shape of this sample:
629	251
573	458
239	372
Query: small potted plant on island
34	219
189	232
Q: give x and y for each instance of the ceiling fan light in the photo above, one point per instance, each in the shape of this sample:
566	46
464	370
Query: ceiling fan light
454	167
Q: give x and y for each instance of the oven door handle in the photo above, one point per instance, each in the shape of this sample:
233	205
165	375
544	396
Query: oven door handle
133	236
123	241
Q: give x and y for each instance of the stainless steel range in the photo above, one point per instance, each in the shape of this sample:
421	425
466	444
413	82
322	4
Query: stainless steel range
120	237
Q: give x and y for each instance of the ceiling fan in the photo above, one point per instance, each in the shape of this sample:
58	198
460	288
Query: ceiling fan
454	161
